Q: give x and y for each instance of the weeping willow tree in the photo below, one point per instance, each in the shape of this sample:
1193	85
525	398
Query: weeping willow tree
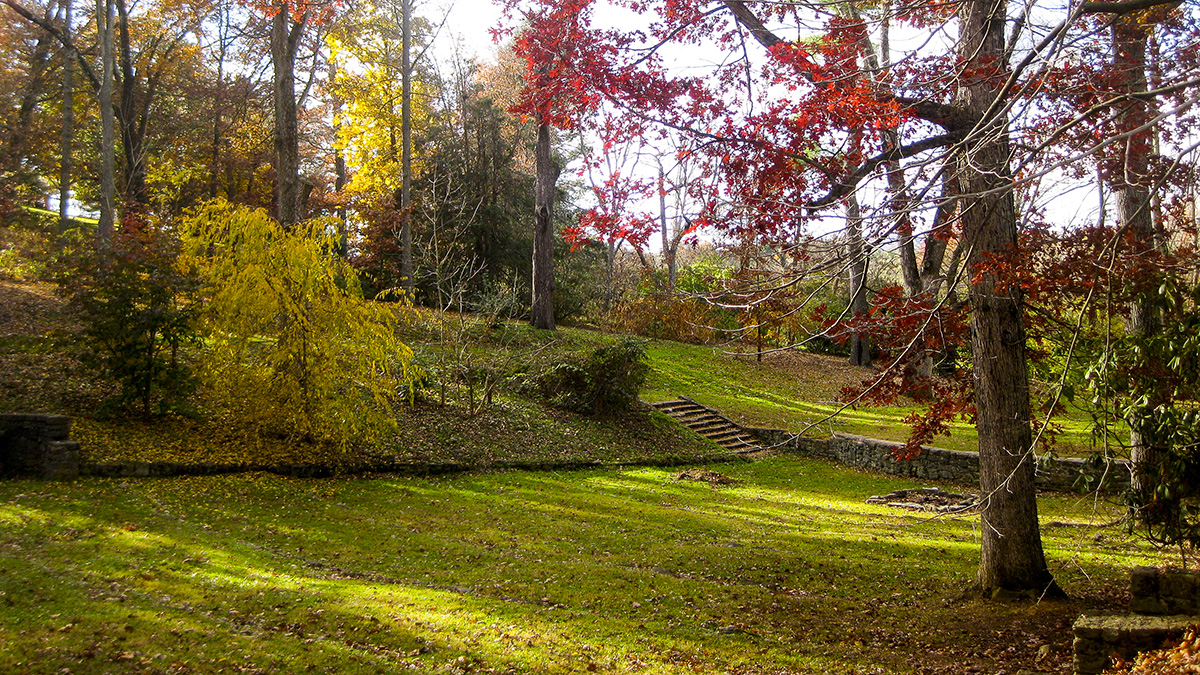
294	349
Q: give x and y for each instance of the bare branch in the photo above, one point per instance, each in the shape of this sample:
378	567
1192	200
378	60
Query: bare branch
847	185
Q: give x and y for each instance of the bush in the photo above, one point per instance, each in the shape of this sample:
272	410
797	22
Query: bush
607	381
27	244
690	320
1153	383
138	302
294	349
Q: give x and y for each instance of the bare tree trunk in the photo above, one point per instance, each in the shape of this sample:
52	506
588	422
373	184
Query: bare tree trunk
67	141
1011	556
668	253
542	311
218	101
132	135
1131	186
285	40
406	238
938	237
860	343
339	160
108	186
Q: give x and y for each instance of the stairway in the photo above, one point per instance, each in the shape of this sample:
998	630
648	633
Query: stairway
710	424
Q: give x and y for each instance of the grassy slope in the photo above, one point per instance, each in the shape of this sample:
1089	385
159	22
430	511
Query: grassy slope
786	390
792	390
40	371
630	571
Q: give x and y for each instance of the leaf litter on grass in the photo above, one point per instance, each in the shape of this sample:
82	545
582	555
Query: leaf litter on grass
787	571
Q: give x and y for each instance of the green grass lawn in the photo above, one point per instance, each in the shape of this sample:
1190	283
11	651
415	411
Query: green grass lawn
798	391
596	571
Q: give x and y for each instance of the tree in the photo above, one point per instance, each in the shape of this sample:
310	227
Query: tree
288	21
24	80
68	120
823	123
376	126
108	187
555	88
294	349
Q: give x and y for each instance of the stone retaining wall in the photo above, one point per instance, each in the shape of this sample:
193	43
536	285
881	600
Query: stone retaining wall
37	445
1162	592
939	464
1099	638
395	466
1164	604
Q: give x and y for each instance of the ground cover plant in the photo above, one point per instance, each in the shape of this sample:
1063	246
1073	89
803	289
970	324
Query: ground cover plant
786	571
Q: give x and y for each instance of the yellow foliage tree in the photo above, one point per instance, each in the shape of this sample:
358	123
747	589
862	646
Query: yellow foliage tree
293	348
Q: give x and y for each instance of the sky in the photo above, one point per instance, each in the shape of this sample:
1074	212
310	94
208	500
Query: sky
467	26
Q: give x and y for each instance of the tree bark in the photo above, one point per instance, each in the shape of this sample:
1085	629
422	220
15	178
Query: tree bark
860	343
67	141
1011	556
406	234
132	131
1131	185
285	40
108	186
542	311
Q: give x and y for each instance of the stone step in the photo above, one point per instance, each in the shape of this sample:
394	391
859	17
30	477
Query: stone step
726	434
694	415
708	423
676	405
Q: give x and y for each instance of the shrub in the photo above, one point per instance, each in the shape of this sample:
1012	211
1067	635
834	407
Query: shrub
1153	383
137	301
27	243
607	381
690	320
294	349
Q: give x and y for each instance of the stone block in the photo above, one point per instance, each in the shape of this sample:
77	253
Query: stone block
60	460
1100	637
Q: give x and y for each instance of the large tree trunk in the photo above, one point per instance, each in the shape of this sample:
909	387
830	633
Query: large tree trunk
132	130
542	313
285	40
406	234
67	141
1012	556
1131	185
108	185
860	343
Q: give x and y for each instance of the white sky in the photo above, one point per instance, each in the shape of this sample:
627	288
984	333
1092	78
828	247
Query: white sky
467	25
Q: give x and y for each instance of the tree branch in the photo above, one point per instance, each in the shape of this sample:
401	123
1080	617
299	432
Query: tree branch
941	114
847	185
752	23
58	34
1123	6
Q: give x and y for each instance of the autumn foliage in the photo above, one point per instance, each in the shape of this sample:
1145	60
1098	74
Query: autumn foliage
293	349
